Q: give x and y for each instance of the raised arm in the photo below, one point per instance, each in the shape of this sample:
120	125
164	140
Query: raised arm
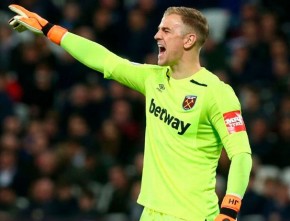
84	50
87	52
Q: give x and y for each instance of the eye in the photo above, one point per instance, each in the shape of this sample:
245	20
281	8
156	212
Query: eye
166	30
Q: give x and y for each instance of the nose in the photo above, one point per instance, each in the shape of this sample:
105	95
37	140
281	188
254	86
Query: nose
157	35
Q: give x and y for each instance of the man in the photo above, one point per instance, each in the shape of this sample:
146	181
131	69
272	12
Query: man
191	115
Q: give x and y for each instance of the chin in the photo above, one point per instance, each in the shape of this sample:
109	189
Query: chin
161	63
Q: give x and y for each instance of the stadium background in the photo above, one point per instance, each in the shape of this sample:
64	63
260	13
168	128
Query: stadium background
71	143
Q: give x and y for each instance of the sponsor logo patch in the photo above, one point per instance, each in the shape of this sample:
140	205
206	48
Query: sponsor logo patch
189	102
234	121
162	114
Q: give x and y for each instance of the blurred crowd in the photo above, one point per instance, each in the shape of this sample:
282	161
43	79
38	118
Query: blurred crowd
71	143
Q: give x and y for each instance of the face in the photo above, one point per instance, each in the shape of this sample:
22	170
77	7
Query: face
170	40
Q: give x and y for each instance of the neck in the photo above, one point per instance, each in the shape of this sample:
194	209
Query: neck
185	68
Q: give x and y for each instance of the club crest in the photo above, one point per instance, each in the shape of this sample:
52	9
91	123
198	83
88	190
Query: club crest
189	102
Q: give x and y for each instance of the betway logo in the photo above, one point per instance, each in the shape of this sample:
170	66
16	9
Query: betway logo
163	115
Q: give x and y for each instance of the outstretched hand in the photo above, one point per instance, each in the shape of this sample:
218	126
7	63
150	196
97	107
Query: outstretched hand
26	20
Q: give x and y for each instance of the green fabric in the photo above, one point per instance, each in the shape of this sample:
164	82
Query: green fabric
239	174
87	52
188	122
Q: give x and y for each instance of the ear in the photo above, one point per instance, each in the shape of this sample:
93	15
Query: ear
189	40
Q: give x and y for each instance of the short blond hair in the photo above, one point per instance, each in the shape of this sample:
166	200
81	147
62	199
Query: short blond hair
192	18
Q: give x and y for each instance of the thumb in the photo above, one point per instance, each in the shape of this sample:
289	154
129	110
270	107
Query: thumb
19	10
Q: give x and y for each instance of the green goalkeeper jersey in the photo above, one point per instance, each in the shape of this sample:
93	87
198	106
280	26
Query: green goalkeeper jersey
188	121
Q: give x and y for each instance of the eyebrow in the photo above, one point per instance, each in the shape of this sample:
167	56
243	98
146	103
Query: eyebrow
163	28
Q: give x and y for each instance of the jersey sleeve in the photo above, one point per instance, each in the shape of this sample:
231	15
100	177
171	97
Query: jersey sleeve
239	174
99	58
133	75
226	117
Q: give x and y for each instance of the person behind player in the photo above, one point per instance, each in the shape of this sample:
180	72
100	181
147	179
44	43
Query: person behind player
190	116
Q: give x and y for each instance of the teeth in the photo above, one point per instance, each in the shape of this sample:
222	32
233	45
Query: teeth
161	47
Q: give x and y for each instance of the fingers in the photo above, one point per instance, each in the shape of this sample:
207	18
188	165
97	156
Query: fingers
30	23
12	22
25	14
20	28
19	10
16	25
20	24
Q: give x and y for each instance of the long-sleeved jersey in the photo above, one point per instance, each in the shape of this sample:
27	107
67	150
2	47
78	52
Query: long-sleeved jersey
188	122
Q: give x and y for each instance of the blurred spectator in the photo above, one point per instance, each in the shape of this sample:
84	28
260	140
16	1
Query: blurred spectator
115	195
35	141
71	13
213	55
87	209
255	203
106	28
11	174
109	138
42	200
8	42
12	87
137	101
82	168
239	56
281	72
269	27
128	128
253	54
12	124
66	202
79	131
220	187
46	165
280	152
40	96
8	203
77	102
261	139
279	207
117	91
279	48
139	42
25	58
99	106
51	127
280	7
135	209
9	141
251	103
70	72
136	170
6	104
284	108
249	11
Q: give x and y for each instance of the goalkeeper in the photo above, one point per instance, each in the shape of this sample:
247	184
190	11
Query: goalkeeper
191	115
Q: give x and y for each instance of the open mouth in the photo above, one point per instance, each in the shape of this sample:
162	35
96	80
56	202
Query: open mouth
162	49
